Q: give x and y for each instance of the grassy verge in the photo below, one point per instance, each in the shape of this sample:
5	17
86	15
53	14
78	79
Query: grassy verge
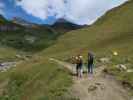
122	75
36	80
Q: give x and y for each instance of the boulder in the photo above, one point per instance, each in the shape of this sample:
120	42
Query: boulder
30	39
18	56
130	71
6	65
104	60
122	67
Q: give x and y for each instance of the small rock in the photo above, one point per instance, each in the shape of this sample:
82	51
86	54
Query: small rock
23	57
121	67
6	65
98	83
129	70
30	39
18	56
102	87
104	60
92	88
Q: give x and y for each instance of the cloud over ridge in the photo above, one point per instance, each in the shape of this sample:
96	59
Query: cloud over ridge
77	11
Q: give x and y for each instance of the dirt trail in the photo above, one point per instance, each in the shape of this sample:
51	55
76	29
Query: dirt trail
97	86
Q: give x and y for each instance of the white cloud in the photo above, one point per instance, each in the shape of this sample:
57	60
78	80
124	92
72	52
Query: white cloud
36	8
77	11
56	8
1	8
88	11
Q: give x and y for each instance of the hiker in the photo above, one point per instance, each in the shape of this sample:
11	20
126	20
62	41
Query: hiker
90	62
79	64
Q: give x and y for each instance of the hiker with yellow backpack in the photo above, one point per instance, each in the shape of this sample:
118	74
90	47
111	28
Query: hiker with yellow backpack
79	65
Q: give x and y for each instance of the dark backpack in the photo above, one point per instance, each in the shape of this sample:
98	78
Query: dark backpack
91	58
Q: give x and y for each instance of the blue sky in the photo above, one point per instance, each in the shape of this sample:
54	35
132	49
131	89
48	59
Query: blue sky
11	11
48	11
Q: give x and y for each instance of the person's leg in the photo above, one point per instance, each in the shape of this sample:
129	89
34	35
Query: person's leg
81	72
91	68
88	68
77	70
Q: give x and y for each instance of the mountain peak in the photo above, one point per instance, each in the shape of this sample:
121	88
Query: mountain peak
62	25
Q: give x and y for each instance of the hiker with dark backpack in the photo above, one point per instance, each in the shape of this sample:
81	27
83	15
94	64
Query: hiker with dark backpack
90	62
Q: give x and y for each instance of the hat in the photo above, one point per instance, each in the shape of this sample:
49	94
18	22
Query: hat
81	56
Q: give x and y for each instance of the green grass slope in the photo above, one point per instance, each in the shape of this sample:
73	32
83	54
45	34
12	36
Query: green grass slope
112	32
36	79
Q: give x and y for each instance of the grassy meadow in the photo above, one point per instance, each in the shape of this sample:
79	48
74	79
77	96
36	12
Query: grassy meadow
40	79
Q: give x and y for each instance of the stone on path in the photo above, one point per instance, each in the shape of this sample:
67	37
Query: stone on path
92	88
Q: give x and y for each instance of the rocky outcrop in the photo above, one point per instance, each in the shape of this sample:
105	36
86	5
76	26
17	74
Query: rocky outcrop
7	65
121	67
30	39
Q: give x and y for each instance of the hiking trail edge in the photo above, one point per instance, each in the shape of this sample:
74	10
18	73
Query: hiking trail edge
95	87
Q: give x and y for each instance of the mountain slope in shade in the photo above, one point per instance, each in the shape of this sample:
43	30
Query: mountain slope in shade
61	26
64	26
25	36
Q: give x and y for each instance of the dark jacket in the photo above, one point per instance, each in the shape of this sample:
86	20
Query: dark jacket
90	58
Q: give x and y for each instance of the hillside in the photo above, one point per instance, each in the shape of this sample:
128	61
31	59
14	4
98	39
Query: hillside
43	80
17	46
112	32
19	35
25	38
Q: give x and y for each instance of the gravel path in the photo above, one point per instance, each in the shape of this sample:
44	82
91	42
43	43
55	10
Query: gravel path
97	86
